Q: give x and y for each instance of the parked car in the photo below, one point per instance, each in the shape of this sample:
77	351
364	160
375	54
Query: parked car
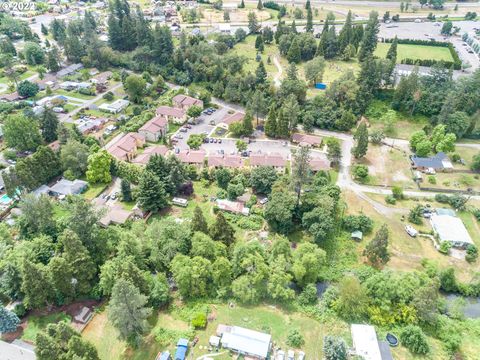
411	231
183	130
263	201
211	140
219	141
212	122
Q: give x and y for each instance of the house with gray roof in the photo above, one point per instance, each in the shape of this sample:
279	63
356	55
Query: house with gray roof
438	162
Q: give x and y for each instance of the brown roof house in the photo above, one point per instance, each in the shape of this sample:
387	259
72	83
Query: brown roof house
307	140
174	115
154	129
228	161
274	159
126	147
317	164
144	157
185	102
193	157
233	118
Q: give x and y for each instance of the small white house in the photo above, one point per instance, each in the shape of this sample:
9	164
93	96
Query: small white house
115	107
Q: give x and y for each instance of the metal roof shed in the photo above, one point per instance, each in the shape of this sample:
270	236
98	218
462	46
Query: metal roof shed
248	342
451	229
365	342
182	347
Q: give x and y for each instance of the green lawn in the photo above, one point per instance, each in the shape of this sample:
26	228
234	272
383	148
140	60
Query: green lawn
35	324
94	190
420	52
74	94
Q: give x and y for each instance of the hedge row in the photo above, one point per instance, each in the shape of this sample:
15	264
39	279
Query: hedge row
456	63
419	42
431	62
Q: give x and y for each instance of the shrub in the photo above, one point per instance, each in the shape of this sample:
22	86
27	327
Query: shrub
199	321
295	339
360	172
20	310
455	157
334	348
360	222
389	199
445	247
415	215
413	338
397	192
472	253
432	180
309	295
108	96
441	198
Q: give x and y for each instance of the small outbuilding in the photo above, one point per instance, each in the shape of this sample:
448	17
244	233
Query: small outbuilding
165	355
84	316
357	235
214	341
180	202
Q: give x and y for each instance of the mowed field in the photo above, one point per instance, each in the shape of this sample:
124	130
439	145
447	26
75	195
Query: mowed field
420	52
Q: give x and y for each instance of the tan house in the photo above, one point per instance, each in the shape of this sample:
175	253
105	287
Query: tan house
174	115
126	147
307	140
275	160
318	164
155	128
185	102
233	118
228	161
144	157
192	157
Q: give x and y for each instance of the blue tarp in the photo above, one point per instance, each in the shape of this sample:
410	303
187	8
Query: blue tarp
182	347
320	86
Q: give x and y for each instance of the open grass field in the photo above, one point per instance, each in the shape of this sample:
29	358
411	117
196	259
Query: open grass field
403	126
420	52
38	323
388	167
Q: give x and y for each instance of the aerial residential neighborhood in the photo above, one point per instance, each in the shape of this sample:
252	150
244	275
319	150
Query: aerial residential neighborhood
239	179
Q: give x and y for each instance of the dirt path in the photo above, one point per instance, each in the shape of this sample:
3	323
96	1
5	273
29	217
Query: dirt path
278	75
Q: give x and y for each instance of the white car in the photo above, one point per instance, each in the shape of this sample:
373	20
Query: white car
411	231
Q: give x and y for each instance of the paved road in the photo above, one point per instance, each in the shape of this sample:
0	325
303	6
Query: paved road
278	76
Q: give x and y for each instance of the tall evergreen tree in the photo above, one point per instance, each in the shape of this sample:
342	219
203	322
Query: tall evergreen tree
151	194
260	5
271	122
370	38
346	34
48	124
126	190
309	25
377	250
35	285
127	311
261	73
199	223
82	265
331	46
282	125
53	59
222	231
162	46
294	54
361	137
247	124
392	51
